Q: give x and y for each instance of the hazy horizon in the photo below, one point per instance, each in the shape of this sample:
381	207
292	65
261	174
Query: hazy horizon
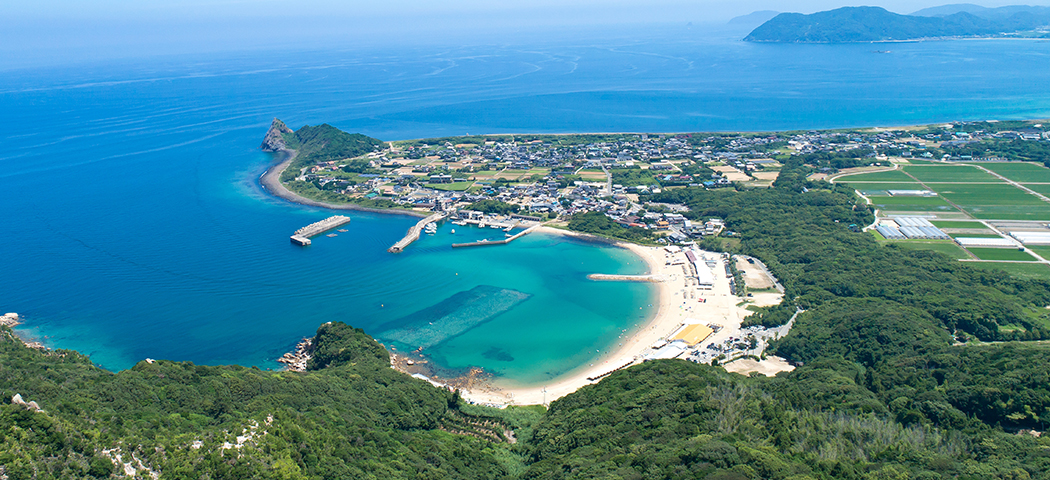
52	32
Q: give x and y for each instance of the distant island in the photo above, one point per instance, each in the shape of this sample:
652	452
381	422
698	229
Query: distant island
876	24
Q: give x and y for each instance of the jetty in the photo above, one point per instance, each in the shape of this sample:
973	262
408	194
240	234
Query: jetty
413	233
628	278
302	236
484	243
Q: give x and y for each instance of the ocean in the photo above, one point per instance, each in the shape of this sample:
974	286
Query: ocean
133	225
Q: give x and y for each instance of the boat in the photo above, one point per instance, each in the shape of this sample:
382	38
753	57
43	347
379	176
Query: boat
508	228
342	230
460	222
430	228
332	235
453	231
497	227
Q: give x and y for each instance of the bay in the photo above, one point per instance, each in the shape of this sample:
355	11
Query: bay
133	225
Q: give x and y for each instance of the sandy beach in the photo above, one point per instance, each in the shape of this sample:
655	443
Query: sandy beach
271	182
676	306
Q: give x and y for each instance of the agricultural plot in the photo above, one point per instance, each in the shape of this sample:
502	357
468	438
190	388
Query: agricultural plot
1041	250
1002	201
1020	172
949	173
959	224
1032	271
1043	189
912	204
887	176
879	188
1007	254
947	248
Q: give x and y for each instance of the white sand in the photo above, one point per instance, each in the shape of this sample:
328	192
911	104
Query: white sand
673	310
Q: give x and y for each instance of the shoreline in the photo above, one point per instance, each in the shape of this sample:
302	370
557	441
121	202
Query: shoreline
270	181
671	312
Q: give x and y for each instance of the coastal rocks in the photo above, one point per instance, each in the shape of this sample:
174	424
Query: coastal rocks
274	140
10	320
296	362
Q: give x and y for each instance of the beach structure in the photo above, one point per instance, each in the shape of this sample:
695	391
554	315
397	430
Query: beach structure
692	334
302	236
413	232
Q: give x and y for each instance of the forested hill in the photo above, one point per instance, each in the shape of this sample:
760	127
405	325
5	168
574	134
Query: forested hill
321	143
884	390
872	24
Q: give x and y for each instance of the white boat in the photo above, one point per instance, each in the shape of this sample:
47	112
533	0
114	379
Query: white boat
453	231
431	228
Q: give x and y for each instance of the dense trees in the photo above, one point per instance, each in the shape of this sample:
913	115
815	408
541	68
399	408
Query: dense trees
598	223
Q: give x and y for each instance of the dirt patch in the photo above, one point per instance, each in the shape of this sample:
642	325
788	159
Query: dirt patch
754	277
769	367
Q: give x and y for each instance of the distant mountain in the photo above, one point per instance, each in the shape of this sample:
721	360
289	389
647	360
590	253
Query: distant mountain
945	10
872	24
754	18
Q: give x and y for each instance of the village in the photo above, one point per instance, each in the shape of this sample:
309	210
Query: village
545	177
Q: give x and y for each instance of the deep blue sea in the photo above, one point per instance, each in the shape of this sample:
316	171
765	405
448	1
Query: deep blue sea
132	224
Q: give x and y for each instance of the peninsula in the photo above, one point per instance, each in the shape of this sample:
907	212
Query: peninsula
876	24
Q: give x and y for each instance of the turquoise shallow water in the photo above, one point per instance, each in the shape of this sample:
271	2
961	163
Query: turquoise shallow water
132	224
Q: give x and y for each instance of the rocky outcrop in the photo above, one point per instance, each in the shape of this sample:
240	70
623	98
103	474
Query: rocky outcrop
296	362
274	140
10	320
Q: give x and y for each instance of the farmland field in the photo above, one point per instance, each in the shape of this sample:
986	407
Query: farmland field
1011	254
888	176
1001	201
958	224
1043	189
947	248
1041	250
949	173
1019	171
879	186
1037	271
912	204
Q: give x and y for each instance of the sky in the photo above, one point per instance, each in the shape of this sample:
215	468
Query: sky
55	31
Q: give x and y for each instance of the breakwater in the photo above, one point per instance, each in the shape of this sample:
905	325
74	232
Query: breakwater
483	243
413	233
628	278
302	236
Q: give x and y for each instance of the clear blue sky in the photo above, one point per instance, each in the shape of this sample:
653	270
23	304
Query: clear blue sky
41	30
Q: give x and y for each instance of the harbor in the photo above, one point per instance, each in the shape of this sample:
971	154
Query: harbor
302	236
413	232
484	243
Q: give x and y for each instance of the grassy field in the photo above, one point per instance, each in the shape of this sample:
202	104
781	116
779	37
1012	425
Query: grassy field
1020	172
451	187
912	204
990	234
949	173
1038	271
945	247
958	224
885	185
983	194
1042	251
889	176
1002	201
1011	254
1043	189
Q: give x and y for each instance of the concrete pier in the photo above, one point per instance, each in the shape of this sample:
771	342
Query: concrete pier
413	233
505	241
302	236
